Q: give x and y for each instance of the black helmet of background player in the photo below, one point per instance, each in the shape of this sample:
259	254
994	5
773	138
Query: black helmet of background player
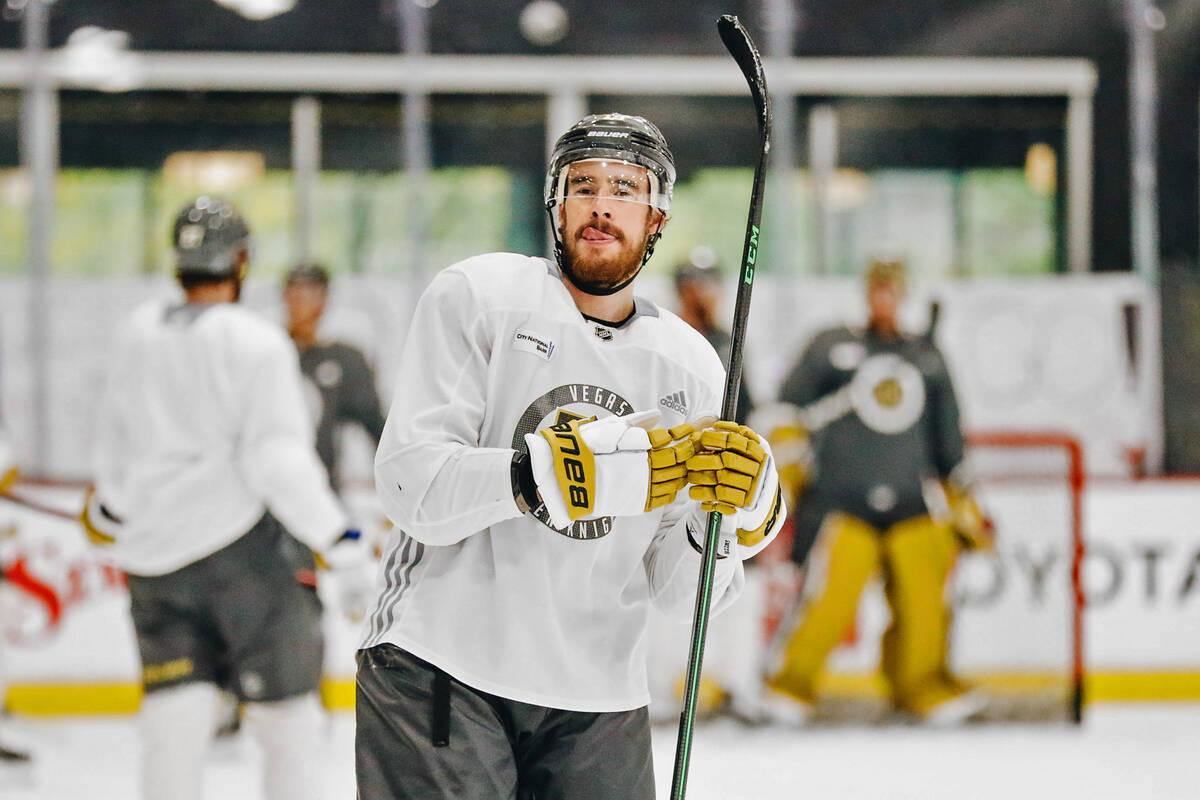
610	137
698	285
211	242
308	272
699	268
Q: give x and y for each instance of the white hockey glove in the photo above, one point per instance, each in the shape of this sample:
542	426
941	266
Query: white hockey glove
99	523
733	472
616	466
349	564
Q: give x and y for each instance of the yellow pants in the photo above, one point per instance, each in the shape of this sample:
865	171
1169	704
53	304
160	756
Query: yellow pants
915	557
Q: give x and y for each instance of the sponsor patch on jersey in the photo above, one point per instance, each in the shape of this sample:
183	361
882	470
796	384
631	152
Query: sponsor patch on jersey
529	342
676	401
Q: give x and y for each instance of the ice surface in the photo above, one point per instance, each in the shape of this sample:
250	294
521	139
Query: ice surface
1123	751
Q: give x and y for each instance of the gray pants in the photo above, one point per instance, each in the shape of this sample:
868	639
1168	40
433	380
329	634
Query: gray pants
496	749
245	618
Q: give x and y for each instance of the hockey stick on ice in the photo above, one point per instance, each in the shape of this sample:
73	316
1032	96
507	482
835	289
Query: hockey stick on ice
737	42
33	505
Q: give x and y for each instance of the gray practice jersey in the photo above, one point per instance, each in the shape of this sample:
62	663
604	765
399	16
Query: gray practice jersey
343	392
883	418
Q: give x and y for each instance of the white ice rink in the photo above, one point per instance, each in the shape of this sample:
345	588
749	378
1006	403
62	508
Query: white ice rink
1123	752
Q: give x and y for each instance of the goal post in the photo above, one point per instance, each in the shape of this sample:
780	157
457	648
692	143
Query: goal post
1023	637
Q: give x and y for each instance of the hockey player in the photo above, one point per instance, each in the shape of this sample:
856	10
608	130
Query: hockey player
12	750
204	463
532	465
888	493
342	380
698	289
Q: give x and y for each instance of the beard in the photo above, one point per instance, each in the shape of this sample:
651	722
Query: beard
606	270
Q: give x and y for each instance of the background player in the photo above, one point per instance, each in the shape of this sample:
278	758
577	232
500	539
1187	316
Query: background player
888	493
506	654
12	749
698	290
339	373
204	464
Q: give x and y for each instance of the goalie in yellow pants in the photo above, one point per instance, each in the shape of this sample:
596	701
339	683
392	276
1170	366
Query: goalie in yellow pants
885	493
915	557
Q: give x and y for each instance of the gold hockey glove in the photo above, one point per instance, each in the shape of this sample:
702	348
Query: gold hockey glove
726	468
974	529
733	472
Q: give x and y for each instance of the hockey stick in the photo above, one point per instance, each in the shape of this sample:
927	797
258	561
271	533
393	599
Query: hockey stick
737	42
33	505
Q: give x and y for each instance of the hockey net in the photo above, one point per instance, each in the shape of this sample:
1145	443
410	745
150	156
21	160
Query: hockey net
1018	610
1016	633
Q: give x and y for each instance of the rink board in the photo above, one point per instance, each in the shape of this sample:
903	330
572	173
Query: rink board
1141	632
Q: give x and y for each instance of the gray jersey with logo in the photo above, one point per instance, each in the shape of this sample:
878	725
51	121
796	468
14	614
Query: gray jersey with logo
883	417
345	388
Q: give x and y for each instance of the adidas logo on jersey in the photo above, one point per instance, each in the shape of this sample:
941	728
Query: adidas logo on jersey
676	401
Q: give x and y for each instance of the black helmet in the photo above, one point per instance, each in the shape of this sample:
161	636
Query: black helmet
308	272
617	136
208	235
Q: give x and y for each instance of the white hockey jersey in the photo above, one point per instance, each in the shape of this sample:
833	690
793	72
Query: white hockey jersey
502	601
202	427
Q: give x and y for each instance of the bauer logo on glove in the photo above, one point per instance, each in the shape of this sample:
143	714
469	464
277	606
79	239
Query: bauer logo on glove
616	466
574	465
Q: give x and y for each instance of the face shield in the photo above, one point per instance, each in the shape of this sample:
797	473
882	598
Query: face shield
593	180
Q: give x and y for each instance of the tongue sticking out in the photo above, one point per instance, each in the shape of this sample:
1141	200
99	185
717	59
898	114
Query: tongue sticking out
597	236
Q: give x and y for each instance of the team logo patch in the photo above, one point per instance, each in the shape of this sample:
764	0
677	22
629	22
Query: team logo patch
676	401
887	393
529	342
559	406
603	333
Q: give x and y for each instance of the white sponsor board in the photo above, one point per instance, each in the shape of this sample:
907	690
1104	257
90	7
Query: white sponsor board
69	623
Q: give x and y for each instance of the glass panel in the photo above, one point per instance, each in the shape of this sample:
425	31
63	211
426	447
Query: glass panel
14	189
1008	224
943	222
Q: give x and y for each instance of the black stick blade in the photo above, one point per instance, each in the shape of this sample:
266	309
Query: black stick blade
741	47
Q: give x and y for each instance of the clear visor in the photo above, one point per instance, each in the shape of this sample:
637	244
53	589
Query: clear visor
603	180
